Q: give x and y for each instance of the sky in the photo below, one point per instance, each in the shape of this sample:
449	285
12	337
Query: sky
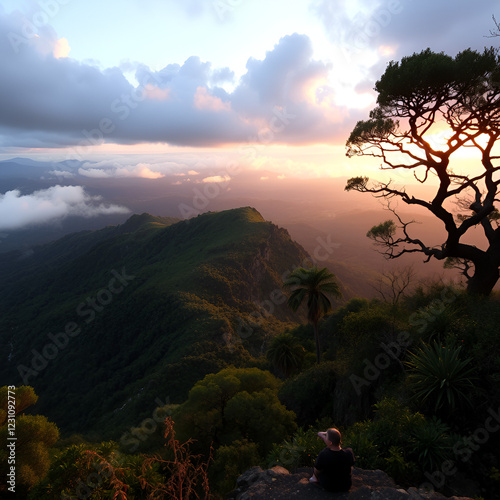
273	79
201	89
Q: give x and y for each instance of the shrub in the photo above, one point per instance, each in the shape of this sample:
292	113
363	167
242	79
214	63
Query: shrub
432	445
300	451
35	436
439	377
393	424
386	441
365	449
100	472
286	354
396	465
310	394
234	404
231	461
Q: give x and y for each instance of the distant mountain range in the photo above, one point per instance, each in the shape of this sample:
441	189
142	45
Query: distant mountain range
103	323
310	209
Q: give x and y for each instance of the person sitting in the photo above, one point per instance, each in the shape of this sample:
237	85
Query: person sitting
333	466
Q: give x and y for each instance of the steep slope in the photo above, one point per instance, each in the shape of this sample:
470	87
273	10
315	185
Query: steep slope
104	323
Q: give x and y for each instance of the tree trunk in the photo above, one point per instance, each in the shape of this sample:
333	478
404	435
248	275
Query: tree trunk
316	338
485	277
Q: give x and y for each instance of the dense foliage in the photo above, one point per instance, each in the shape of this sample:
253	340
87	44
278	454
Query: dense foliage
27	438
235	404
96	322
101	471
413	384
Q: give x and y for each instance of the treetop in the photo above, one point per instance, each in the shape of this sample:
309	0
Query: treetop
429	76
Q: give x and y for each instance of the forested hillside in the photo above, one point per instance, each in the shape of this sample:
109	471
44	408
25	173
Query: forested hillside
173	339
102	323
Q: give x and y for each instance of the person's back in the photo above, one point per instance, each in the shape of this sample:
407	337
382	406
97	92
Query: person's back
335	469
333	465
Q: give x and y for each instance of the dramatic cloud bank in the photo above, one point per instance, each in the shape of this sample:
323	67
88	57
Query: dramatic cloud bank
53	101
50	205
286	96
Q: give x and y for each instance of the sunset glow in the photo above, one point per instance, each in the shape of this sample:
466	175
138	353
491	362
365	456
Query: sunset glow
227	225
302	85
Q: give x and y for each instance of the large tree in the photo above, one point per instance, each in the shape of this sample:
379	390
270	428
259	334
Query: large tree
317	286
459	98
234	404
32	436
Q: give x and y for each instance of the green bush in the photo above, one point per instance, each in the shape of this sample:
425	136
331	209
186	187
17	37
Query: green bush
310	394
100	472
231	461
432	322
432	445
396	465
234	404
300	451
402	443
365	449
73	474
393	424
286	354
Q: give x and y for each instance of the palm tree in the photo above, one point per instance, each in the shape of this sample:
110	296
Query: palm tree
315	284
286	353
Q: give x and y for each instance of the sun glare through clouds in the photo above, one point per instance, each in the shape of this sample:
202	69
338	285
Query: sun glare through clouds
171	88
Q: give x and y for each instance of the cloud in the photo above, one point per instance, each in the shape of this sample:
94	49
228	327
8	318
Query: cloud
94	173
48	101
448	30
49	205
222	75
203	100
61	48
384	30
216	179
107	169
156	94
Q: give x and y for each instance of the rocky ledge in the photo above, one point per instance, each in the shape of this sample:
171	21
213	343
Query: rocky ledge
279	484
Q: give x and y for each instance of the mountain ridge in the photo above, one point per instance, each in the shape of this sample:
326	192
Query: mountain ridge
143	298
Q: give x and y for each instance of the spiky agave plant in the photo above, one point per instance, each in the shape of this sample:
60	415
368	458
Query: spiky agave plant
432	444
440	377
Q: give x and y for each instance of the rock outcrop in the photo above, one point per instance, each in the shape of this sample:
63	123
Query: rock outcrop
279	484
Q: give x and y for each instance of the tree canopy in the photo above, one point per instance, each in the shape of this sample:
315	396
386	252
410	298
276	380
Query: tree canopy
34	436
458	98
235	404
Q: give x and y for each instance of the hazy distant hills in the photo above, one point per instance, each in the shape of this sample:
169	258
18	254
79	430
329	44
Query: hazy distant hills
102	323
308	208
